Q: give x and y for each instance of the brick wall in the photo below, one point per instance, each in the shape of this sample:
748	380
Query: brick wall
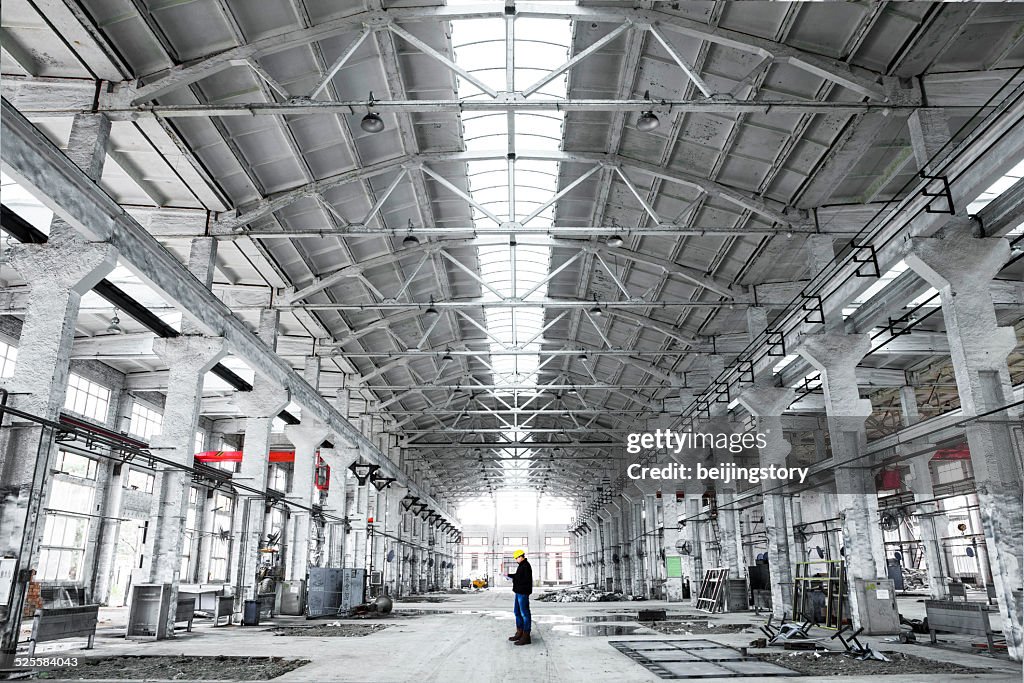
33	600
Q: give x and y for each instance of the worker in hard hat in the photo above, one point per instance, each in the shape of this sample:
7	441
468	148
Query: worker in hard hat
522	586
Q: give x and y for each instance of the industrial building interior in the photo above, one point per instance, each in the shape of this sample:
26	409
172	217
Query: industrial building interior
313	313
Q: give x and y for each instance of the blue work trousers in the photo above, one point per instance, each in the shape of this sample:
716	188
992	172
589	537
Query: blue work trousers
522	612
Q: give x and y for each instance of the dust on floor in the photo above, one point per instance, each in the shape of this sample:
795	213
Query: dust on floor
176	668
331	630
839	664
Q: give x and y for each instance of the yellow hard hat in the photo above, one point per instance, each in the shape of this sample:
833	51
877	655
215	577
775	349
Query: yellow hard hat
517	554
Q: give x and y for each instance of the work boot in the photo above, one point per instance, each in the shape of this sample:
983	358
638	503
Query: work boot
524	639
517	636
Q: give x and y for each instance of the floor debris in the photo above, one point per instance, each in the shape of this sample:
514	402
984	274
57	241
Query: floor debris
334	629
585	594
840	664
176	668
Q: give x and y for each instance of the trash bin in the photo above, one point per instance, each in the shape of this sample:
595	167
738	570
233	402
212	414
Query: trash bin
251	613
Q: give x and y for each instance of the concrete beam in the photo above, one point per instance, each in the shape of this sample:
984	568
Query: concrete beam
42	169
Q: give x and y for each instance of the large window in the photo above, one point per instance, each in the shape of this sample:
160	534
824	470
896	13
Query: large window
277	477
139	480
87	398
518	541
146	422
76	465
474	540
188	542
65	532
556	540
8	357
200	441
220	545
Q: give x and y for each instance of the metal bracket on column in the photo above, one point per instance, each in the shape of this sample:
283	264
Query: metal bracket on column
945	193
814	311
745	371
703	408
271	498
806	385
776	344
721	392
867	257
363	471
899	326
209	476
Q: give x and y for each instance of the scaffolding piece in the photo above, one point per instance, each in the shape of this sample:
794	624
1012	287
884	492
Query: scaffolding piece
712	587
833	588
855	648
786	631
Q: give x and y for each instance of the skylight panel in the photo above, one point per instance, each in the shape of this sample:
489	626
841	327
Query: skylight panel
510	270
997	188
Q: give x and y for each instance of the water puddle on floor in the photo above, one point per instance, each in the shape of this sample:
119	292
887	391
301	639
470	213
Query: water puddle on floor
601	630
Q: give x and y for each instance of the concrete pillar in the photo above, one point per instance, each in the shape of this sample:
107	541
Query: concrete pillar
111	529
670	517
930	522
728	524
651	544
635	543
908	406
961	268
259	407
767	403
360	512
58	272
306	438
614	552
391	527
836	356
188	358
693	564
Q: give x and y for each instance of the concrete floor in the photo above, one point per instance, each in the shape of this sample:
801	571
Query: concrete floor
470	645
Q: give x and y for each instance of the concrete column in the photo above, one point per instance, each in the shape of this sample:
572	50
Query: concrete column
392	527
59	272
908	406
670	516
961	268
651	545
188	358
306	437
693	564
930	521
259	407
767	403
728	524
836	356
614	568
635	542
360	512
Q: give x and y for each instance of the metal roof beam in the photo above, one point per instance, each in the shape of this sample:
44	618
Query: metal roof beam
768	209
859	80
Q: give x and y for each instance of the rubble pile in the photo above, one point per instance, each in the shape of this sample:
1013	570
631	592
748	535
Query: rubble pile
585	594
